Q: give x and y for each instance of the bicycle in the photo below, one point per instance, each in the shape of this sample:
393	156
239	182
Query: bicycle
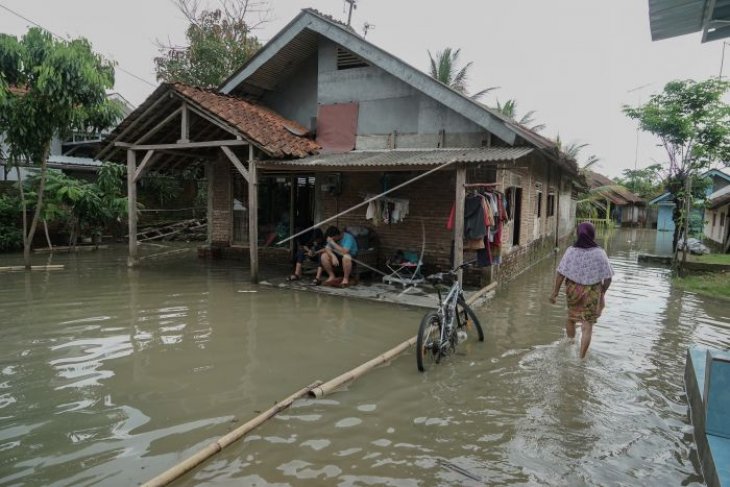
451	323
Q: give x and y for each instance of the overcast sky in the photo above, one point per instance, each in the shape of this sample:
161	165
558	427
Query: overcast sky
575	62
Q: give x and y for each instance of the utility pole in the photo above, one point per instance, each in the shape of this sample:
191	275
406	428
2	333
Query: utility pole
638	131
353	6
722	59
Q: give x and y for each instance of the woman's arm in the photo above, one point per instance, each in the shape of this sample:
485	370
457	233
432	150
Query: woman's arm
559	278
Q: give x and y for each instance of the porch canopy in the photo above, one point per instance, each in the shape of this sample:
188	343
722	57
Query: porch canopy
181	126
672	18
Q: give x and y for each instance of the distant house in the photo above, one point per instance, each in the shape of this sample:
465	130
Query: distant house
717	214
622	206
665	204
318	121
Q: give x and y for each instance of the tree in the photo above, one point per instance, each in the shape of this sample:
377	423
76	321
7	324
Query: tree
509	109
573	150
646	182
445	68
219	42
49	88
692	123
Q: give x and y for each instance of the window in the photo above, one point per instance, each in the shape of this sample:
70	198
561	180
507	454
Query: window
538	210
722	220
714	220
551	204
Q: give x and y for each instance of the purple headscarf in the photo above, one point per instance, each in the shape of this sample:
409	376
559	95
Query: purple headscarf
586	236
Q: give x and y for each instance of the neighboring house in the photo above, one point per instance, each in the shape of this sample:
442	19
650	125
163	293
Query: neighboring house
320	119
665	204
622	206
717	214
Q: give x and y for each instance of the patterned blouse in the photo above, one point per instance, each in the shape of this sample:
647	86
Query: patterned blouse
585	266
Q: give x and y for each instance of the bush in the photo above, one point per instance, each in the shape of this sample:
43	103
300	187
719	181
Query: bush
11	235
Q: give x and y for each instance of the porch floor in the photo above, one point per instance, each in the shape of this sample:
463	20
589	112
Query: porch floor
422	297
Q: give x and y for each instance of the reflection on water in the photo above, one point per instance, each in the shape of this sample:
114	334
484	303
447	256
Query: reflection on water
110	376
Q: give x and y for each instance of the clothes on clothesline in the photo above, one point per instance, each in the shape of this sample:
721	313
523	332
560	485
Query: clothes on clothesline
484	215
386	210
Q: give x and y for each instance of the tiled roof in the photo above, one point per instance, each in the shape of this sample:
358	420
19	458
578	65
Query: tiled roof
276	135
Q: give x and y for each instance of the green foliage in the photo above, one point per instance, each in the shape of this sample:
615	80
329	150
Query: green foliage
646	182
219	42
57	87
509	109
445	68
11	236
691	120
81	206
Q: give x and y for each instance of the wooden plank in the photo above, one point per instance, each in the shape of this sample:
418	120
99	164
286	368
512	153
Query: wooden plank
253	224
214	121
132	207
459	219
188	145
236	162
143	165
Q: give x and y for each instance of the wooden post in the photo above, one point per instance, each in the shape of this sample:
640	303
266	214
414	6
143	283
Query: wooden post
459	218
132	260
253	209
292	210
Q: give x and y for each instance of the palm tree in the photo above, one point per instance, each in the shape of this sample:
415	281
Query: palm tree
445	68
509	109
573	151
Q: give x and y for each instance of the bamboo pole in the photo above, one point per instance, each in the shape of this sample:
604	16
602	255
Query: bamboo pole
235	435
367	201
52	267
481	293
355	373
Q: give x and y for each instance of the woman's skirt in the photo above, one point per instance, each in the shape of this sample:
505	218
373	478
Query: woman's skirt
584	301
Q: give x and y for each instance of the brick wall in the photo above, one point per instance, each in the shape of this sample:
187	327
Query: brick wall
220	204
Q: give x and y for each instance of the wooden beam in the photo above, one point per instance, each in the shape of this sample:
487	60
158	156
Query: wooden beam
459	219
184	125
253	229
132	260
157	127
292	196
236	162
143	165
188	145
212	120
134	123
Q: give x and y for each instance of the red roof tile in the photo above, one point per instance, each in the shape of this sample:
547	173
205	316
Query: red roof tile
269	130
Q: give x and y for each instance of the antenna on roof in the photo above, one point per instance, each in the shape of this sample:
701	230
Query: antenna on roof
367	27
353	6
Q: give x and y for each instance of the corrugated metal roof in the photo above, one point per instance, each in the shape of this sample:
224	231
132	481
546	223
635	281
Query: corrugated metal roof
402	158
719	197
671	18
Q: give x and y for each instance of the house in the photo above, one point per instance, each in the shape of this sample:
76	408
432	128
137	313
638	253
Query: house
621	205
665	204
320	120
717	213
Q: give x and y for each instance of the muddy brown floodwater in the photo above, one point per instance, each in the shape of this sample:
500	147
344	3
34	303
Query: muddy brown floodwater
110	376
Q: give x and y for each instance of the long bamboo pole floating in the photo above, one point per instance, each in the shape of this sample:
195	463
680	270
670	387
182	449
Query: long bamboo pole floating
50	267
235	435
353	374
367	201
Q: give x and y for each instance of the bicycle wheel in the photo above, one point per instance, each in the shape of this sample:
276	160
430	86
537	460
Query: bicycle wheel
469	322
428	350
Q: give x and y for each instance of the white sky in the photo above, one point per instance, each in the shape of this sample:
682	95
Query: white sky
573	61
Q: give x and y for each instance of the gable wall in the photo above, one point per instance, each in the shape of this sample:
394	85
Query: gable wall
387	104
296	98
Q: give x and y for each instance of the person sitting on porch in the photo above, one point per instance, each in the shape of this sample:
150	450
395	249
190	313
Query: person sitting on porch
341	248
308	246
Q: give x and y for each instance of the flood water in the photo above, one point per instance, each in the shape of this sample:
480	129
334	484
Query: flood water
109	376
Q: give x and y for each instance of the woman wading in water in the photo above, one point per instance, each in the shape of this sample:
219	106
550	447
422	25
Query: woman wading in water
587	274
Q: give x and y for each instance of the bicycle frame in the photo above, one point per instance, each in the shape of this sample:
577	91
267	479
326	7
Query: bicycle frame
447	311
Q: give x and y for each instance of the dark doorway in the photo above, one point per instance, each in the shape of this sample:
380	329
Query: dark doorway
514	198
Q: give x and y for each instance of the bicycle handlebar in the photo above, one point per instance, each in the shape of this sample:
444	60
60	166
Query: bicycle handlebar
440	276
